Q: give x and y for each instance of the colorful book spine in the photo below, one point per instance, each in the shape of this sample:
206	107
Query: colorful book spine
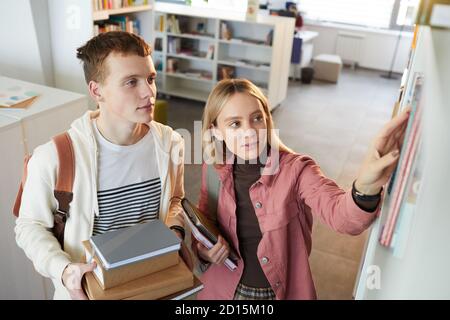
407	158
400	185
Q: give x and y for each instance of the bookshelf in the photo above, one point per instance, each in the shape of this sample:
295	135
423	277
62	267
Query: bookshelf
73	23
194	49
98	15
414	265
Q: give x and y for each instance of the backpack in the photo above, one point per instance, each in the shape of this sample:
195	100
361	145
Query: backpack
63	188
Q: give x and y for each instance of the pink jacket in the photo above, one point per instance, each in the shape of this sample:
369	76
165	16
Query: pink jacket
282	203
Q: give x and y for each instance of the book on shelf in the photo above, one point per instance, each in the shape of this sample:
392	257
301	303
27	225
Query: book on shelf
158	44
17	97
159	66
118	23
173	24
133	244
225	31
99	5
210	53
174	45
226	72
408	206
161	23
205	231
172	65
397	184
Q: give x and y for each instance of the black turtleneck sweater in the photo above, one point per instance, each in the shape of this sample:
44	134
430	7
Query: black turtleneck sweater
248	231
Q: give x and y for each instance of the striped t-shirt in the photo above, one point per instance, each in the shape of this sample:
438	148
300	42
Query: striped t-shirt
129	186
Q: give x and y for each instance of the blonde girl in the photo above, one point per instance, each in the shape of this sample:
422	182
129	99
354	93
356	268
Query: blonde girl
269	194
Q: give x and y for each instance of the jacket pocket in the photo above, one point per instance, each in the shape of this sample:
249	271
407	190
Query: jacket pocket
280	216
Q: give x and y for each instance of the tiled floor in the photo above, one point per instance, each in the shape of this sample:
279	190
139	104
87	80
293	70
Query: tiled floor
334	123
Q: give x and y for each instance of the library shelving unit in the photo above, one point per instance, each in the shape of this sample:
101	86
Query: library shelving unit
415	264
195	48
72	23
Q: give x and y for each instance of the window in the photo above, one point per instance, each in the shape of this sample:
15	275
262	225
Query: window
227	5
407	12
389	14
371	13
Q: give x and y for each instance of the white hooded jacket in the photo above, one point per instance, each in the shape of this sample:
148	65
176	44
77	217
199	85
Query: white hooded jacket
33	227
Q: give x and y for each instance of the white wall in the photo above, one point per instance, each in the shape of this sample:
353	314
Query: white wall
378	45
21	55
42	28
71	26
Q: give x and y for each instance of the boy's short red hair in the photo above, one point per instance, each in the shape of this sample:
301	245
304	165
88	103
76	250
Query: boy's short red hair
96	50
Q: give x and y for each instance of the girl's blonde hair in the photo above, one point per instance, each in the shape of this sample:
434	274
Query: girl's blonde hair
217	99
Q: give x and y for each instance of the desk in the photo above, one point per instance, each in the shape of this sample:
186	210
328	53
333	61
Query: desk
306	38
22	130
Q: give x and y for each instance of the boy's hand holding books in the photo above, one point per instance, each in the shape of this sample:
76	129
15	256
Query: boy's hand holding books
217	254
72	276
184	252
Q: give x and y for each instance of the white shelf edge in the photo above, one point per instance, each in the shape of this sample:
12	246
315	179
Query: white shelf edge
183	76
188	93
246	66
182	56
190	36
104	14
248	44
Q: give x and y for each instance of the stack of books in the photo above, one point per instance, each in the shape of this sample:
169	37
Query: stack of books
139	262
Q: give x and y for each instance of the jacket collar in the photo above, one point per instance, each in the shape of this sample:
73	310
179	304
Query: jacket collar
83	127
271	169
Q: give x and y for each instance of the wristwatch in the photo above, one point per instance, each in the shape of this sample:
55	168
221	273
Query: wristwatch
365	197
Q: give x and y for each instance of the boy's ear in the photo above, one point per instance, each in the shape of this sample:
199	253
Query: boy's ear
95	91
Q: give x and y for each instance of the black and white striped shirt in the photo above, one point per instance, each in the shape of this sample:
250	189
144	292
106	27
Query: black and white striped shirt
129	185
126	206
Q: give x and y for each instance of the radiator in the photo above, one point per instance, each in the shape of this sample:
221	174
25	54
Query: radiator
349	47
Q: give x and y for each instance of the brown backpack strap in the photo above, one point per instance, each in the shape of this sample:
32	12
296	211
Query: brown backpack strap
66	169
64	183
18	201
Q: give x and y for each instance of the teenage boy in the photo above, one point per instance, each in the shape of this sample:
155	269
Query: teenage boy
128	168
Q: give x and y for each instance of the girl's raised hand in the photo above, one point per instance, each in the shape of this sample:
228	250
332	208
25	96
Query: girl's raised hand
382	155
